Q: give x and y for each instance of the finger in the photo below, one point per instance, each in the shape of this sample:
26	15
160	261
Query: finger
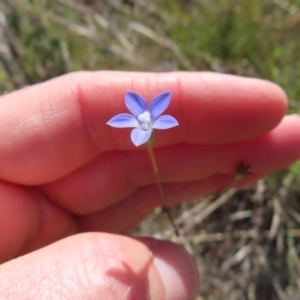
116	175
28	221
61	125
277	149
101	266
126	214
54	224
19	219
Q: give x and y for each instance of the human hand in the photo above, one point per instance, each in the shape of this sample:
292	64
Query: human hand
64	171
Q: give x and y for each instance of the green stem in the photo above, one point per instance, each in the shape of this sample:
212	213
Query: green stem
161	191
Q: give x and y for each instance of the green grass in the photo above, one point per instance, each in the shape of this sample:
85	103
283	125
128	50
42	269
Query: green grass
251	38
255	38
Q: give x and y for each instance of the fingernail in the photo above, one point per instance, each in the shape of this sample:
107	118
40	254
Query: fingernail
177	270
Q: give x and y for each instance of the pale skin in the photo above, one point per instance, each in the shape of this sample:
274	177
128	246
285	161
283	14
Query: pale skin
64	171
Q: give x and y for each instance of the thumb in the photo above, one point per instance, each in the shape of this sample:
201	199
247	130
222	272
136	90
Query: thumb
101	266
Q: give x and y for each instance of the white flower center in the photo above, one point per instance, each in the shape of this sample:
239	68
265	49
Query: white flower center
145	120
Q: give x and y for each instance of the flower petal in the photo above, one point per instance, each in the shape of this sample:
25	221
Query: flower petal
135	103
159	104
140	136
123	121
165	122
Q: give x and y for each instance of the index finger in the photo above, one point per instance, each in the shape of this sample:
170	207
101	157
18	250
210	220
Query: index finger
50	129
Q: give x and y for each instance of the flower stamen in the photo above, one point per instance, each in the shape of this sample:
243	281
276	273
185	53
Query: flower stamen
145	120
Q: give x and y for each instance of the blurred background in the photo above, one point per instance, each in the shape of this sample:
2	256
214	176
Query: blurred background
246	242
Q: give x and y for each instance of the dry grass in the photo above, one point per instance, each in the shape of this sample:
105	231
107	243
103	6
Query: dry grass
245	241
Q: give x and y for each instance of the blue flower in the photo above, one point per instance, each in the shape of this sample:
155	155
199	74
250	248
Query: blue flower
144	119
